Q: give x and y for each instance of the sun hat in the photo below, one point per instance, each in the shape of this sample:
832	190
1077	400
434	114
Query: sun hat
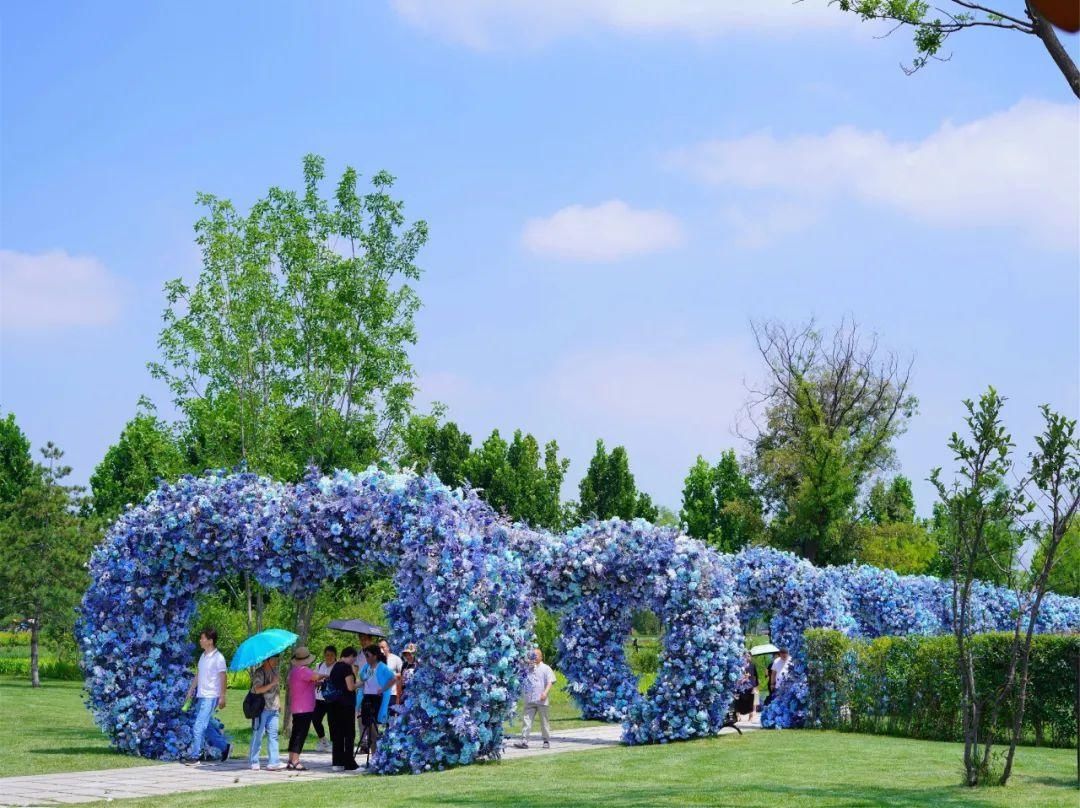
302	656
410	648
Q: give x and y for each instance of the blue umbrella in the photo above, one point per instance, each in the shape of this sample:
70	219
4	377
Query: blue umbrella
260	647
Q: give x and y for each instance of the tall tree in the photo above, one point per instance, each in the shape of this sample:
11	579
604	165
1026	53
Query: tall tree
1044	504
146	453
720	506
517	480
608	489
43	551
825	421
16	462
292	346
430	444
933	25
892	502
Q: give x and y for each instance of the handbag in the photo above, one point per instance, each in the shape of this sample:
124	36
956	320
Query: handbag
254	704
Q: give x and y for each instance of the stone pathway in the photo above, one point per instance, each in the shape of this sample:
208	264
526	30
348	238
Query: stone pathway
175	778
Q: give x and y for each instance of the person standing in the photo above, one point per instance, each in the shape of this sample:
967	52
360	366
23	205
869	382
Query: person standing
538	683
323	670
408	668
267	683
379	682
208	688
302	681
778	671
746	689
396	665
339	691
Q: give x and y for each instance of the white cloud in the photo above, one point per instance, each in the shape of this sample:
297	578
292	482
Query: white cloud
53	290
609	231
484	24
756	226
1014	169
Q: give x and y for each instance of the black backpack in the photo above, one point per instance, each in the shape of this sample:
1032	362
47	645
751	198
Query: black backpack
254	704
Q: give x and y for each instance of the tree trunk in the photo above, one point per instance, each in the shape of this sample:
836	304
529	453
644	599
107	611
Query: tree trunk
247	597
35	637
259	608
1045	32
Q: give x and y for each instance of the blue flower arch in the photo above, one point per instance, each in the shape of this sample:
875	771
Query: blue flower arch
597	576
798	596
467	583
462	596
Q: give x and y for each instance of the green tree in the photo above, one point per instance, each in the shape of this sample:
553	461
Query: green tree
292	346
44	547
889	503
720	506
832	407
1064	575
146	453
16	462
608	489
430	444
517	480
933	25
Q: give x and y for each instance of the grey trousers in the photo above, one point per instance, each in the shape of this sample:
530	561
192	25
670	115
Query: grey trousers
531	709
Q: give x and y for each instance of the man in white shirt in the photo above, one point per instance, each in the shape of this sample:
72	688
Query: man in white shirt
778	670
394	663
208	687
538	682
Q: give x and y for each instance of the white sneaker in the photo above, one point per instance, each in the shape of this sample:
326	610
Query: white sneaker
323	745
337	768
275	767
254	767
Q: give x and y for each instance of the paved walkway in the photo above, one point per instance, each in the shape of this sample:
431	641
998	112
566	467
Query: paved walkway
175	778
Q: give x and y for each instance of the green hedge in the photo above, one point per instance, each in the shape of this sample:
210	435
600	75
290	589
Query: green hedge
910	686
47	669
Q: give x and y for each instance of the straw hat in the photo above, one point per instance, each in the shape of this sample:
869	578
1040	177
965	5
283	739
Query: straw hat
302	656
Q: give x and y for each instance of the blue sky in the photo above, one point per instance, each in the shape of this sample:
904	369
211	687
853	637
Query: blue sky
613	191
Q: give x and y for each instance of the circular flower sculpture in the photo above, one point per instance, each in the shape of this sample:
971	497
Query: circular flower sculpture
797	596
466	586
461	594
598	575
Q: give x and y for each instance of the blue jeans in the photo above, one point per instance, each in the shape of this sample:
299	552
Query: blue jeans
206	729
267	724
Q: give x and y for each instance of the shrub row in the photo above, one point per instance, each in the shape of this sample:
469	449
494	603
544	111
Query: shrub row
910	686
50	669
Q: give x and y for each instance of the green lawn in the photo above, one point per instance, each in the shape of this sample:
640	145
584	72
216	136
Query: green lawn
50	730
758	770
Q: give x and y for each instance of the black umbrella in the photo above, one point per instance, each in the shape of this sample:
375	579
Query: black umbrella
357	626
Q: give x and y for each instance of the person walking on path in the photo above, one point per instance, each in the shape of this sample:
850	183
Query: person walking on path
324	668
302	682
267	683
339	691
208	688
538	682
778	669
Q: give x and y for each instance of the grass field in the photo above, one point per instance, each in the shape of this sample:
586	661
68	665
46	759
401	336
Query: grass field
758	770
50	730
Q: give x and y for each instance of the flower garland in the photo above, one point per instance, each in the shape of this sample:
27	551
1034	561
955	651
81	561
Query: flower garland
598	575
462	596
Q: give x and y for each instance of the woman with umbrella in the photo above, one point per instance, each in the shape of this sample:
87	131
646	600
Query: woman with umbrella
263	702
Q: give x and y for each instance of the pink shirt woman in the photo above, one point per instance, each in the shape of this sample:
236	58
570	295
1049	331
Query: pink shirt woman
302	689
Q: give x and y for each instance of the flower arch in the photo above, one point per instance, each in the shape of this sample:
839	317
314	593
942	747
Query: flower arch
798	596
462	595
597	575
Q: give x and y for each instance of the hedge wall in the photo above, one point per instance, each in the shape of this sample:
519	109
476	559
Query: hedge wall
910	686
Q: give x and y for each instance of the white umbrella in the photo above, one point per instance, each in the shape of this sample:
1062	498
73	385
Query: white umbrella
767	648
